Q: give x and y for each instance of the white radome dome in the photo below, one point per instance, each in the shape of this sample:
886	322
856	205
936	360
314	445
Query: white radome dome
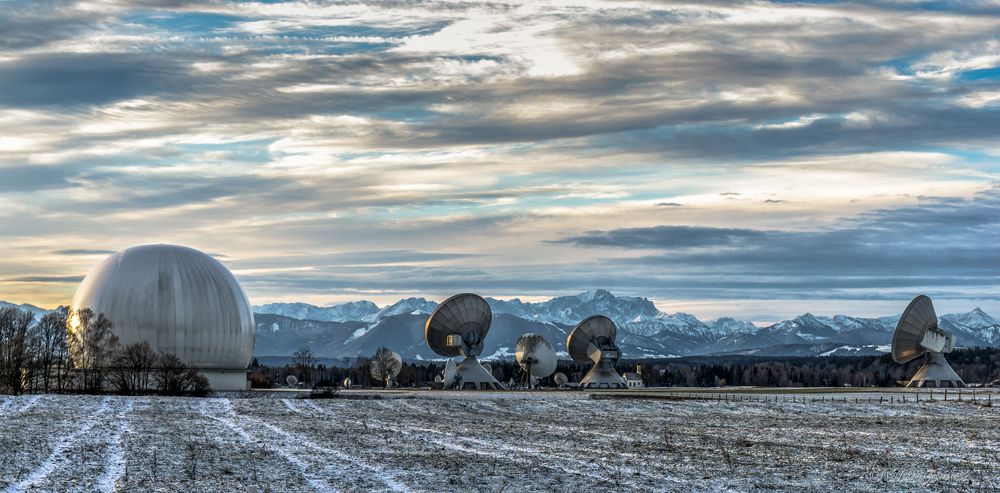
177	299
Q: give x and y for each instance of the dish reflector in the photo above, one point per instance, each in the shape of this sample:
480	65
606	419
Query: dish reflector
392	363
593	341
450	374
536	355
291	380
917	319
560	379
916	334
458	327
588	336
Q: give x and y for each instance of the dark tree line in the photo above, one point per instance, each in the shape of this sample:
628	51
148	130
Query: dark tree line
977	365
78	352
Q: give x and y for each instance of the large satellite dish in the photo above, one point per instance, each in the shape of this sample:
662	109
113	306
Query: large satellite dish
291	380
593	341
458	327
536	356
450	374
560	379
388	362
917	333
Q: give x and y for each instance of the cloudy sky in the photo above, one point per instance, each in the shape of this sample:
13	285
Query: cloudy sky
750	159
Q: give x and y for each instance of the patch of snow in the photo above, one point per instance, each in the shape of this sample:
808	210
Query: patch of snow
114	463
58	457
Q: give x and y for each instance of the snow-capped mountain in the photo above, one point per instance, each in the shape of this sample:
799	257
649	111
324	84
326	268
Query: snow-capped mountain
973	328
36	311
644	330
409	306
350	329
345	312
571	310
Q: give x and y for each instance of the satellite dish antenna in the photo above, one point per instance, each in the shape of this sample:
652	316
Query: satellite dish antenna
918	333
389	361
593	341
291	380
346	383
450	374
536	356
457	327
561	379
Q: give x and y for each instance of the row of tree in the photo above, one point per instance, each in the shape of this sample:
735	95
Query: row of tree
78	352
976	365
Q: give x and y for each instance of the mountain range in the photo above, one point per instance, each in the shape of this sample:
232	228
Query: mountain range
359	328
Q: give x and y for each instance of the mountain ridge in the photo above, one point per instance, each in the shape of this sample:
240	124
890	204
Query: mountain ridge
650	332
358	328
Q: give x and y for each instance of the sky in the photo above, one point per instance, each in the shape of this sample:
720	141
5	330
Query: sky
751	159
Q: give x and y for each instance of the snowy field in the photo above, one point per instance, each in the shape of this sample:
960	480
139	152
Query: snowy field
469	442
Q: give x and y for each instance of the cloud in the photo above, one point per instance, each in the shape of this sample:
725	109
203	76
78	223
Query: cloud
428	146
43	22
82	251
71	80
47	279
27	179
669	237
936	243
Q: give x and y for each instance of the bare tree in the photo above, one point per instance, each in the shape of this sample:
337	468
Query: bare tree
132	368
15	355
50	337
92	345
174	377
303	362
384	365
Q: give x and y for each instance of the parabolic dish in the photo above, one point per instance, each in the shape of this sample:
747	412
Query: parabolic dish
560	378
466	315
291	380
450	373
594	329
394	365
917	319
534	352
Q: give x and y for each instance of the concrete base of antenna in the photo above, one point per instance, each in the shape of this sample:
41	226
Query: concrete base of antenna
472	376
936	372
603	376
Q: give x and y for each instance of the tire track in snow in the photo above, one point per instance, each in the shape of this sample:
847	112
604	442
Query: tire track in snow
493	449
114	463
549	459
378	473
232	420
291	407
56	457
18	404
7	401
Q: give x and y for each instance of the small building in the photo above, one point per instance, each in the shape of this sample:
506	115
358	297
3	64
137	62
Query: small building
633	380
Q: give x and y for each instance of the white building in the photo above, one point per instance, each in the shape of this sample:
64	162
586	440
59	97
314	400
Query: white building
180	301
633	381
